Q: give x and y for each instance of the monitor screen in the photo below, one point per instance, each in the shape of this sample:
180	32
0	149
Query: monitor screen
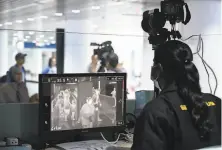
84	101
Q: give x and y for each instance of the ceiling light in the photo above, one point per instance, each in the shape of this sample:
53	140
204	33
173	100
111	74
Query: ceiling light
25	40
15	34
95	7
59	14
51	38
43	17
119	3
41	36
30	19
31	32
8	23
15	38
76	11
19	21
1	25
27	37
42	1
40	44
53	42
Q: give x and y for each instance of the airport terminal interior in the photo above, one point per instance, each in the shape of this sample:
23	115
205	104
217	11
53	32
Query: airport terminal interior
50	46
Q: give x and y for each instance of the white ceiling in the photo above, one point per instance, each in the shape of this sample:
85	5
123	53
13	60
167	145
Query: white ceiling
12	10
14	13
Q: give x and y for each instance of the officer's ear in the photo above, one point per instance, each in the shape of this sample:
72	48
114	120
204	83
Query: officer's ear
156	71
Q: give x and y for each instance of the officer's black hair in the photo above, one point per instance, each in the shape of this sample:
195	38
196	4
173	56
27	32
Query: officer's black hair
176	59
113	60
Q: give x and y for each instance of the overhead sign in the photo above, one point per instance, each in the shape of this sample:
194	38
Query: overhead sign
39	45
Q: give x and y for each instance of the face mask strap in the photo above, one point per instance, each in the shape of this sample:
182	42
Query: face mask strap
156	68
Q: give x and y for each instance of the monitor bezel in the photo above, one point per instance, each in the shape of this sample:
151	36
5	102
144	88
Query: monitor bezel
56	135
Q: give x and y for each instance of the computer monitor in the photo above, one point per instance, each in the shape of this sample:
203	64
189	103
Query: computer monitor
78	103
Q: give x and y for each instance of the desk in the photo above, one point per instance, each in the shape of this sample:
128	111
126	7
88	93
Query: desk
121	145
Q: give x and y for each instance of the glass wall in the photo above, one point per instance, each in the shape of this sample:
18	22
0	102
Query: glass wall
134	52
40	46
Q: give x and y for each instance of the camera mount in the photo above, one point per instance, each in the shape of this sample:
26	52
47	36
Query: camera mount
154	21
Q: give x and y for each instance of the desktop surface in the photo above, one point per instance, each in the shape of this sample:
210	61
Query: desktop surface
103	145
92	144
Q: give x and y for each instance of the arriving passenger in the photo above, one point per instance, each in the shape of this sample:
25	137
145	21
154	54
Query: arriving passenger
16	91
34	98
112	65
20	60
51	69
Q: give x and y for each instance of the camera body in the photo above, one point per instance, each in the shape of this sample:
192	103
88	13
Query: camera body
154	21
103	49
173	10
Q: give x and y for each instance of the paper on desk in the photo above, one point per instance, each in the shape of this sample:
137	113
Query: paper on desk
124	144
213	148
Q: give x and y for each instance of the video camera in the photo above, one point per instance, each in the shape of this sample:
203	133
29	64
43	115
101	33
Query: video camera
154	21
103	51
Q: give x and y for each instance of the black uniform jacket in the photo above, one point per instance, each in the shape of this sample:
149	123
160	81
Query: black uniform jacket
165	124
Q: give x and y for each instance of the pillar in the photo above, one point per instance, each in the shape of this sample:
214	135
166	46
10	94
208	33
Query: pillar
17	45
148	55
76	47
4	47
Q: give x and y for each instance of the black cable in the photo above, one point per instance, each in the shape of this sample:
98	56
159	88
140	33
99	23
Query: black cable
198	49
190	37
200	45
216	86
130	124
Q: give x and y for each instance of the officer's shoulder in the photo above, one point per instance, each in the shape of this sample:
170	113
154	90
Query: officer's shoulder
157	106
207	97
